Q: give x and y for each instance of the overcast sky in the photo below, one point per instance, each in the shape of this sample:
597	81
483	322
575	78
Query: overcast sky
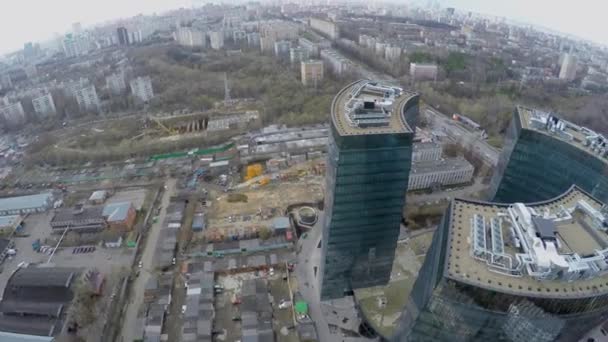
35	20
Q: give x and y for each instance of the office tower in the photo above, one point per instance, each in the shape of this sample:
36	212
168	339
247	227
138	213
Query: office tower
567	71
141	88
512	272
311	72
87	98
544	155
369	157
44	105
123	36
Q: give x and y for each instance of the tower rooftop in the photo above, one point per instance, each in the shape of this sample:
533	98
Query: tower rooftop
367	107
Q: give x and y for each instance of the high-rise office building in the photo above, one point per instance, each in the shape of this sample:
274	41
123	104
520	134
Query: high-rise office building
544	155
141	88
512	272
568	69
369	157
123	36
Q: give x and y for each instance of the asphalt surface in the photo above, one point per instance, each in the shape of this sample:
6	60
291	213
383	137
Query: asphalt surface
130	329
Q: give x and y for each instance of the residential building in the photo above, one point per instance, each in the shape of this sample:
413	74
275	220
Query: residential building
36	303
141	88
191	37
335	62
281	49
421	72
267	43
327	28
21	205
253	39
311	72
44	105
392	53
239	36
13	113
217	39
512	272
74	46
369	159
123	36
297	55
567	71
544	155
87	98
437	173
426	151
116	83
310	46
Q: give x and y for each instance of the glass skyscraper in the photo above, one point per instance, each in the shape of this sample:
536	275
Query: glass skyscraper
369	159
519	273
544	155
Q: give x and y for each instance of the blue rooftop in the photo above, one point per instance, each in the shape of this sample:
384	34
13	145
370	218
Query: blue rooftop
10	220
116	211
25	202
11	337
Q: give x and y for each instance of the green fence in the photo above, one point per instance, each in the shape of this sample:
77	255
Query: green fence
207	151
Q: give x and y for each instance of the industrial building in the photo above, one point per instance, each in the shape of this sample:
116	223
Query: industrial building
273	142
512	272
369	159
544	155
121	216
79	219
425	151
437	173
26	204
36	301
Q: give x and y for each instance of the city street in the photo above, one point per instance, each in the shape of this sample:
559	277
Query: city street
131	325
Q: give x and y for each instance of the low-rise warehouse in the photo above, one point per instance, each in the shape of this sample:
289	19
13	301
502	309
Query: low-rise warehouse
79	219
442	172
26	204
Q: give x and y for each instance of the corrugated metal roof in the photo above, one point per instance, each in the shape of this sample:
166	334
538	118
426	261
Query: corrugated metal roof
11	337
116	211
25	202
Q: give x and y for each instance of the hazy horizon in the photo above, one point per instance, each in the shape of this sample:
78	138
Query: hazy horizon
46	18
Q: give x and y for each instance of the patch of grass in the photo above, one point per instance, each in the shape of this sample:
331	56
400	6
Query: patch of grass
235	198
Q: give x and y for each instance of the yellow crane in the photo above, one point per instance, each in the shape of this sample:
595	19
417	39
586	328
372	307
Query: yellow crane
165	128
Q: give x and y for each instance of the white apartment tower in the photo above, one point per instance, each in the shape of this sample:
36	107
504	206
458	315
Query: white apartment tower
141	88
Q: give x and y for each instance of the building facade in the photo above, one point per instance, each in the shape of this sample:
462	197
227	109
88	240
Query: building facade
420	72
116	83
369	157
335	62
123	36
141	88
327	28
281	49
216	39
425	151
544	155
44	105
311	72
442	172
13	113
87	98
512	272
567	71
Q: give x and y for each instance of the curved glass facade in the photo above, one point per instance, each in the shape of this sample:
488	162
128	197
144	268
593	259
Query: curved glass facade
535	166
367	177
442	309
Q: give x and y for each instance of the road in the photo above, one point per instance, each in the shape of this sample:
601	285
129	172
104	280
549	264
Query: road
130	326
458	192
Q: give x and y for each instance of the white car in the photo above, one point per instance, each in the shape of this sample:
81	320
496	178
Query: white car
141	264
184	309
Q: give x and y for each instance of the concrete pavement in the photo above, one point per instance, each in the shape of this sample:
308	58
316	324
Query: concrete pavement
130	326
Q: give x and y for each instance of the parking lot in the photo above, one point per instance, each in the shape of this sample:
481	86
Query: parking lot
36	226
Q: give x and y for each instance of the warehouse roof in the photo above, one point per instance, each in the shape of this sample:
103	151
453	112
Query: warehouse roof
25	202
74	214
116	211
42	277
13	337
10	220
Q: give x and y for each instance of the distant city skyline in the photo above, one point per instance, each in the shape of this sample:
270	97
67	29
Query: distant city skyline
30	20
